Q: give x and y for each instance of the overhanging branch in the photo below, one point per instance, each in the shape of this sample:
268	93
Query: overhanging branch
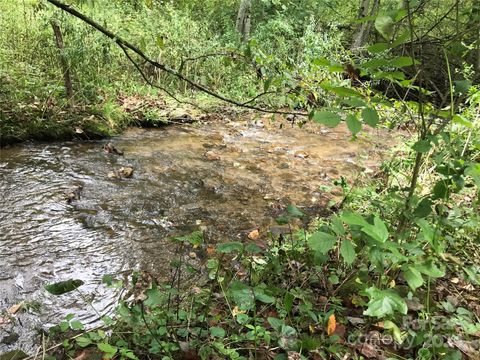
123	44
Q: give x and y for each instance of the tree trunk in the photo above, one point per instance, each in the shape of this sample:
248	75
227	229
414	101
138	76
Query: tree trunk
63	60
363	30
243	19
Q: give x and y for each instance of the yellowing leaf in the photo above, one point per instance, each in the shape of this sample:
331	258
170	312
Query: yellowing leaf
253	235
332	324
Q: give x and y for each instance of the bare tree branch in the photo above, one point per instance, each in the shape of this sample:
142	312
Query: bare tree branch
125	44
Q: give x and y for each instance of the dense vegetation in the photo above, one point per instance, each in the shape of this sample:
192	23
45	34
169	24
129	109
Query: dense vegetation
391	272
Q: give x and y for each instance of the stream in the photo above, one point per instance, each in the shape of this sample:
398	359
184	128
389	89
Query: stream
227	177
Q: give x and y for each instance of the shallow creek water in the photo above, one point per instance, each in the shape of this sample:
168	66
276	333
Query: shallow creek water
230	177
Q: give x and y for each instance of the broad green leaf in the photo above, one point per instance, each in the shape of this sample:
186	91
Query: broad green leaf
423	209
378	48
76	325
384	302
216	331
422	146
242	295
351	218
260	293
401	61
288	301
275	323
440	190
459	119
347	251
294	211
230	247
63	287
370	116
108	349
354	102
473	170
378	231
397	334
321	62
429	268
384	25
154	297
322	242
390	75
353	124
462	86
337	225
413	277
401	39
83	341
344	91
327	118
374	63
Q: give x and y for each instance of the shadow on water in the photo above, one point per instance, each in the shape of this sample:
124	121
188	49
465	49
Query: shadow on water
230	177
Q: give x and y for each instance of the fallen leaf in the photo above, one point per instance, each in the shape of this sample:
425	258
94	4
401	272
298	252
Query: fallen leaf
332	324
14	309
253	235
211	250
368	350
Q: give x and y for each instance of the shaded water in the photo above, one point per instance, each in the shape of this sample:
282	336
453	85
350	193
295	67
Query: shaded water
230	177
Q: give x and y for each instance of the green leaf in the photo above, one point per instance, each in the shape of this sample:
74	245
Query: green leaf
473	170
459	119
345	91
294	211
423	209
322	242
422	146
378	231
218	332
384	25
384	302
63	287
83	341
227	248
327	118
397	334
154	297
413	277
260	293
108	349
440	190
462	86
76	325
275	323
351	218
401	61
288	301
429	268
337	225
370	116
353	124
378	48
374	63
354	102
347	251
242	295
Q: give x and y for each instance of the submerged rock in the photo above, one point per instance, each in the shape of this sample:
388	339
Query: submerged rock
122	173
109	148
73	194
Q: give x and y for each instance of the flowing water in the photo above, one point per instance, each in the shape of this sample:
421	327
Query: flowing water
227	177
